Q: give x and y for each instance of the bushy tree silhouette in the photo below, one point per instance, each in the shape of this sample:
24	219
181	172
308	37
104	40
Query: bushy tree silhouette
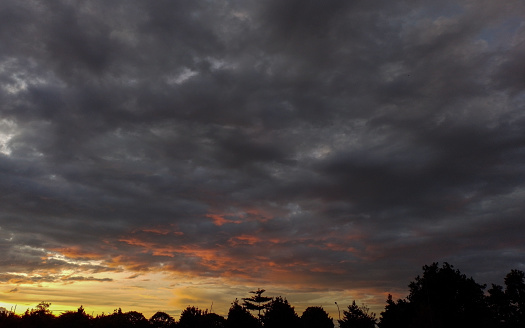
499	307
358	317
193	317
280	314
162	320
316	317
119	319
8	320
212	320
508	306
442	297
39	317
397	314
77	319
240	317
135	319
515	291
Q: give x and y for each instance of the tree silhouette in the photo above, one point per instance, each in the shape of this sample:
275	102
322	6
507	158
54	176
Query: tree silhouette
397	314
316	317
9	319
358	317
212	320
192	317
135	319
240	317
508	306
257	301
515	291
39	317
77	319
442	297
162	320
280	314
446	297
131	319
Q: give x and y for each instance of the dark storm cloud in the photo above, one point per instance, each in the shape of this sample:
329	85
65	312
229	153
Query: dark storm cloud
344	143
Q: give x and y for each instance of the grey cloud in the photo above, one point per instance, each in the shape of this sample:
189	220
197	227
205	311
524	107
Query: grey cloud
82	278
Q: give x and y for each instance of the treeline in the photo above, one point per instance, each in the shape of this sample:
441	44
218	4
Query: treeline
441	297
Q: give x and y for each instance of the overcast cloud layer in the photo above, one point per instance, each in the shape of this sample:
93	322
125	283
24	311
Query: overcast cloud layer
320	145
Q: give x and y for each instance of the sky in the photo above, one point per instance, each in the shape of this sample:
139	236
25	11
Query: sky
160	154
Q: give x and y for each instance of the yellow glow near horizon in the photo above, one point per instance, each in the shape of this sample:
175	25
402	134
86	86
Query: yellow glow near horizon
145	293
151	292
102	292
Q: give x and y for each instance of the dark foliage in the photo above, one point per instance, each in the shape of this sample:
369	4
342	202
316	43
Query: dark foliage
280	314
213	320
39	317
77	319
240	317
10	320
193	317
508	306
121	319
442	297
397	314
358	317
316	317
162	320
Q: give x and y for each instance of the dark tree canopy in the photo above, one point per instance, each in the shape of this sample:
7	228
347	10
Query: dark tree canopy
442	297
39	317
240	317
280	314
508	306
358	317
132	319
212	320
316	317
136	319
77	319
397	314
162	320
193	317
515	292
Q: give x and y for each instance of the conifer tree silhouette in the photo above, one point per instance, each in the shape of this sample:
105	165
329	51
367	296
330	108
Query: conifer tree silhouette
257	302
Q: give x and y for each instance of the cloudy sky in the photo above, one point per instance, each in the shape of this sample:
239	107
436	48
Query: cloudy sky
160	154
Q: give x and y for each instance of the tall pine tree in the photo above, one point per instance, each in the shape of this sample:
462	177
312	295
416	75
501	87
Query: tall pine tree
257	301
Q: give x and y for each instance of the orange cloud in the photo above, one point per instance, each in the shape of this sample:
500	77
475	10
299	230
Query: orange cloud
160	230
209	258
339	247
243	240
76	252
219	220
239	214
